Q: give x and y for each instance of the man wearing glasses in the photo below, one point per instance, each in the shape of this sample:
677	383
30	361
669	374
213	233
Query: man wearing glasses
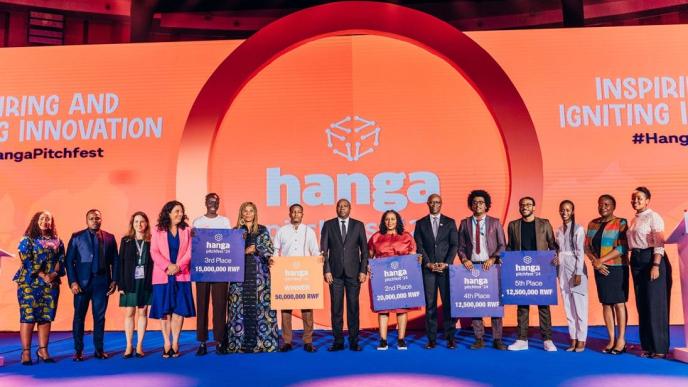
481	241
531	233
437	240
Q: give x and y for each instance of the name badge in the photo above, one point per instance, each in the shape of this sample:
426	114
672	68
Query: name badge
140	272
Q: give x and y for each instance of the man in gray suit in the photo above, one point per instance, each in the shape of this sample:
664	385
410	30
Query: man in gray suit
345	249
481	241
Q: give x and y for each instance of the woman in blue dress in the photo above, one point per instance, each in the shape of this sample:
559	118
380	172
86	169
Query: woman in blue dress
171	254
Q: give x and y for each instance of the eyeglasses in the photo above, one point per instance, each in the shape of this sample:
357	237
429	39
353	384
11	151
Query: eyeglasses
478	202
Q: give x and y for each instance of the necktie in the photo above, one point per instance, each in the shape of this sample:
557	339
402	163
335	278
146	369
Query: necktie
343	230
477	237
435	226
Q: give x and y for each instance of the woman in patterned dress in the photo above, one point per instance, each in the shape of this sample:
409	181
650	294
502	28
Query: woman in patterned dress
38	283
252	325
390	241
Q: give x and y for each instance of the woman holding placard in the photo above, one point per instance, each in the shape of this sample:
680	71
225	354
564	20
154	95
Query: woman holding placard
252	324
390	241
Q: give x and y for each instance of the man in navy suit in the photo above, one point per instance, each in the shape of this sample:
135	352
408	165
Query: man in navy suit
91	261
437	239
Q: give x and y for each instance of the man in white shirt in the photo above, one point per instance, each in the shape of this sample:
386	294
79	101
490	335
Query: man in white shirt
218	289
296	240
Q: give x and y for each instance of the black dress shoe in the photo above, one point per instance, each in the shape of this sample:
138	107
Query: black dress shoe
202	349
128	355
286	347
139	354
78	356
430	345
101	355
451	344
355	347
308	347
335	347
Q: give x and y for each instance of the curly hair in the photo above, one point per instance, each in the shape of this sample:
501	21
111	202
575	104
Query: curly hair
33	231
483	194
400	223
164	221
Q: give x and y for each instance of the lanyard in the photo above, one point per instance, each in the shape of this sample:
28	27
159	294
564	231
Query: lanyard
139	252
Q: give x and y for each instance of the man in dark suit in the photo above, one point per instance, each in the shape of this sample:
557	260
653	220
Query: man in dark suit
345	249
437	240
481	241
92	259
531	233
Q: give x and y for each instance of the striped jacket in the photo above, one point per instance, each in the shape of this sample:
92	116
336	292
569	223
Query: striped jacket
613	238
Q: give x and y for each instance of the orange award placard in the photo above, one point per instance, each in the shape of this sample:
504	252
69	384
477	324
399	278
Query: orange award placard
297	283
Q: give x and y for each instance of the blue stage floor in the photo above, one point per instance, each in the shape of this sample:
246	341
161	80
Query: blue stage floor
414	367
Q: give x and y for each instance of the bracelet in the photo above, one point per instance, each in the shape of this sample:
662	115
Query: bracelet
655	264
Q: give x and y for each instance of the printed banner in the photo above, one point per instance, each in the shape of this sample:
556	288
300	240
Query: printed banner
217	255
529	278
396	282
296	283
474	293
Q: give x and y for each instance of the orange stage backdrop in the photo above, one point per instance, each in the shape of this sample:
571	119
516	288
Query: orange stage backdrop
377	119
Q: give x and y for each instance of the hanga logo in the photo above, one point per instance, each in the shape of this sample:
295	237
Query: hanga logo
353	138
394	265
475	273
527	259
218	237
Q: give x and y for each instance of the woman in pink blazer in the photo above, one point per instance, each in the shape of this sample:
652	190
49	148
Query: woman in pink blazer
171	253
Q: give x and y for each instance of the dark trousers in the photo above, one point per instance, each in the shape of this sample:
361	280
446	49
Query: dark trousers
523	317
652	300
218	291
432	282
337	289
96	291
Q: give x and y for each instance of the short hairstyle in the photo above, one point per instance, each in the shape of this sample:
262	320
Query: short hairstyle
480	193
400	223
294	206
212	194
644	190
526	198
343	200
608	197
92	210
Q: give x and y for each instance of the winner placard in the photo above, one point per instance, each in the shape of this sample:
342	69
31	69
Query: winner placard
296	283
396	282
529	278
217	255
474	293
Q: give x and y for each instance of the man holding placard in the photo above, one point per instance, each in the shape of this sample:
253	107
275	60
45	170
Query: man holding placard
218	290
481	241
529	234
296	240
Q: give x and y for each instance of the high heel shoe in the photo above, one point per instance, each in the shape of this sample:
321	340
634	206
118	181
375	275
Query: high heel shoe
27	362
618	351
166	353
48	360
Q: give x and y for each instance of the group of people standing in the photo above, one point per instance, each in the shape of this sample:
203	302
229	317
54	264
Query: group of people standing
151	271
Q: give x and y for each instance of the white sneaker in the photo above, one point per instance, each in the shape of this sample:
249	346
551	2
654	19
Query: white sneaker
519	345
549	346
